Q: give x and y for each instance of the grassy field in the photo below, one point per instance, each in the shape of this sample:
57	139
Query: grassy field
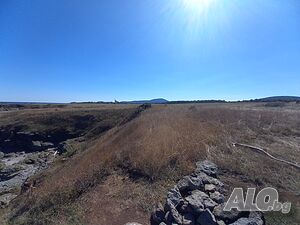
120	174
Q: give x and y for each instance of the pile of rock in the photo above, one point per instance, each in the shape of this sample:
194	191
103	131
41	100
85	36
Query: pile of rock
198	199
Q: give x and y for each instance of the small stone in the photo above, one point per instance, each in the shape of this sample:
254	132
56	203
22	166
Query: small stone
210	187
36	144
188	219
220	222
133	223
217	197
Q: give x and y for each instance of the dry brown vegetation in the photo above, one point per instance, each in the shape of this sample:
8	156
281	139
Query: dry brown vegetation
123	173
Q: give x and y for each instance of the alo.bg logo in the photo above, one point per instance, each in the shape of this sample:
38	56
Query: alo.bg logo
266	200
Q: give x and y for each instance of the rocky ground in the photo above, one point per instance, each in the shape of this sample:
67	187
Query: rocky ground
24	154
16	168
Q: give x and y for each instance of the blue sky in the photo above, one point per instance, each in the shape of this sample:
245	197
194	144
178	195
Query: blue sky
71	50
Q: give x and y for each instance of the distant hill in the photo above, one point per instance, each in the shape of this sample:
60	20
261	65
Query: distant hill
278	99
152	101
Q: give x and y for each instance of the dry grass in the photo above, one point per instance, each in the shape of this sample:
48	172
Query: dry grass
157	148
71	118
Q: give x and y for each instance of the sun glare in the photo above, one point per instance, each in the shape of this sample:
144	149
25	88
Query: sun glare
198	6
198	15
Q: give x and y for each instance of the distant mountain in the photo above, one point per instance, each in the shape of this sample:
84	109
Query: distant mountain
278	99
152	101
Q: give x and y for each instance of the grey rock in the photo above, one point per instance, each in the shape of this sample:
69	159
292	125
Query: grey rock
6	198
31	159
258	217
12	154
210	180
249	221
36	144
158	215
47	144
227	216
133	223
190	183
172	215
17	181
9	172
174	196
207	218
1	155
210	188
195	203
217	197
210	204
207	167
221	222
198	198
27	133
188	219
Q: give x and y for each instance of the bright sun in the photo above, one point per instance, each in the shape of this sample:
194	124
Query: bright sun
197	14
199	6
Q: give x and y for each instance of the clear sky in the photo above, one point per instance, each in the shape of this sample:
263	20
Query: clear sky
90	50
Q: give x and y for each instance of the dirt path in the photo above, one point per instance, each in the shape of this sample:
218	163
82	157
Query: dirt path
258	149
